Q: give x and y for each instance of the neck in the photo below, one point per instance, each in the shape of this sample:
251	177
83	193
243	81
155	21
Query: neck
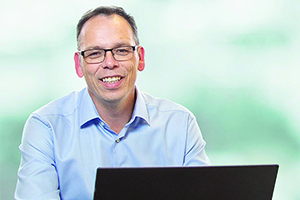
116	114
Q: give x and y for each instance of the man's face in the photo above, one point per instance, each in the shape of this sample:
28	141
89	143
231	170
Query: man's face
102	32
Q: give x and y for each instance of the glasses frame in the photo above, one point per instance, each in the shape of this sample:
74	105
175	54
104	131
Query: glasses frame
106	50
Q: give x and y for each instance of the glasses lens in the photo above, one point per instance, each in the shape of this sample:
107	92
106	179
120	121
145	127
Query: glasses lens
123	53
94	56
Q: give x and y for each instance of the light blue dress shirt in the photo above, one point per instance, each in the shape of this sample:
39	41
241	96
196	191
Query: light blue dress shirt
66	141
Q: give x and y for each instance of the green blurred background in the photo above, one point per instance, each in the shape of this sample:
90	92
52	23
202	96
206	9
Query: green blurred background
234	64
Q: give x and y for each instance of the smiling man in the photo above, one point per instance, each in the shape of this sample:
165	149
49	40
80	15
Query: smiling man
108	124
109	63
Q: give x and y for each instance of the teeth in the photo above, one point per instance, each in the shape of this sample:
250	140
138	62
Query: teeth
111	80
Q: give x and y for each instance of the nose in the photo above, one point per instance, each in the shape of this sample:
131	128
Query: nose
109	60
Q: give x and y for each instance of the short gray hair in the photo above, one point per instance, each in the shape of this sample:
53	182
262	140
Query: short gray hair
107	11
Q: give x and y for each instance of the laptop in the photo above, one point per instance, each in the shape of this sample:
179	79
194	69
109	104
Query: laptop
251	182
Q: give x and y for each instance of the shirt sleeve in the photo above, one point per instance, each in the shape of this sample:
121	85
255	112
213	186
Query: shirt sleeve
195	145
37	176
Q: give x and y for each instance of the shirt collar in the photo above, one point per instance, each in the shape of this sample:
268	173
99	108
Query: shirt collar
88	111
140	110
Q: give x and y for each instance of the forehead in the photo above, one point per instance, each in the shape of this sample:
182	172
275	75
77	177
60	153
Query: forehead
106	31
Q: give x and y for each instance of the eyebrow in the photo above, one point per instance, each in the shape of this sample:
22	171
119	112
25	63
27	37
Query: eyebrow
114	46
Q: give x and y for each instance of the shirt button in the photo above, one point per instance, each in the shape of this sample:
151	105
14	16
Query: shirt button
102	123
118	140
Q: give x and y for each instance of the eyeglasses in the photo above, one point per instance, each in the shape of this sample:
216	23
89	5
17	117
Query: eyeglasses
94	56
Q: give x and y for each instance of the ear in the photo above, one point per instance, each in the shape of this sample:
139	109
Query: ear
78	67
141	53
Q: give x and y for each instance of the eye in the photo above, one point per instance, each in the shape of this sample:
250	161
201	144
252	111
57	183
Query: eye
122	50
94	53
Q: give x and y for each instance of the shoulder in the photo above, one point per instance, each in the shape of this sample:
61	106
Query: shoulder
63	106
164	105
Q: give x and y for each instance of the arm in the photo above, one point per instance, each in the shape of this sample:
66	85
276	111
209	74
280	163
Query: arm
37	176
195	145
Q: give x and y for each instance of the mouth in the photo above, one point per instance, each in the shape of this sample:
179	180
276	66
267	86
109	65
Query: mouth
111	80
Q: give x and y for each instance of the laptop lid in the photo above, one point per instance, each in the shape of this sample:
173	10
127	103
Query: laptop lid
187	183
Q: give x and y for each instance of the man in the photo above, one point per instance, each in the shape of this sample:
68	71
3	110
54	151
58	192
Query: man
108	124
